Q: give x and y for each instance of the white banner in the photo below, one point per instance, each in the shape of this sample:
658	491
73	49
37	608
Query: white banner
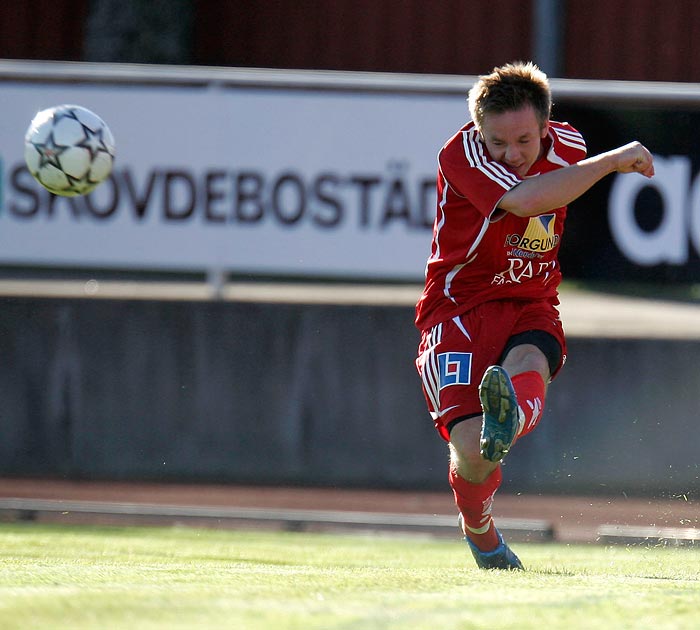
252	180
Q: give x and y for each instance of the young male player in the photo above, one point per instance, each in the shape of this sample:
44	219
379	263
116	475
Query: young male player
491	338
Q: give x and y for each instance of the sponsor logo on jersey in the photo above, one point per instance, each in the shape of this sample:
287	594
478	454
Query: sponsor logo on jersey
455	368
539	237
520	271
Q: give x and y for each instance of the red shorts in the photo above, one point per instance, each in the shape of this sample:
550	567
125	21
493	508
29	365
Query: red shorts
454	354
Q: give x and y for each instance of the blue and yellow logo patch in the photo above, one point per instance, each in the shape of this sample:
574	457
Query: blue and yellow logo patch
539	235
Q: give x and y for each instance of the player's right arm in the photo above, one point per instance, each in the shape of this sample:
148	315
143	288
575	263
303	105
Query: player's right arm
542	193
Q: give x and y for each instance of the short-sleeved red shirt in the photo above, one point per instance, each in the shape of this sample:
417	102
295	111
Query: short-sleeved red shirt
479	253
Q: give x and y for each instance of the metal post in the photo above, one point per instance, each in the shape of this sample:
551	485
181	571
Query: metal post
548	36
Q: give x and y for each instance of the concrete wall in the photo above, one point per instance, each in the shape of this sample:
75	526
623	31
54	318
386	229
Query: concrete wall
275	393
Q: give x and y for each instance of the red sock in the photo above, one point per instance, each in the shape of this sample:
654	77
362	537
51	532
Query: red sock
474	501
529	389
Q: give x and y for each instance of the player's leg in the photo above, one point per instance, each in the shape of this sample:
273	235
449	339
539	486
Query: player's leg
530	356
530	370
474	482
512	398
513	391
474	476
450	358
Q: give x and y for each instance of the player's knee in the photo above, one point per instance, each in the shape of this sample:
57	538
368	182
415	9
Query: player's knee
527	358
470	465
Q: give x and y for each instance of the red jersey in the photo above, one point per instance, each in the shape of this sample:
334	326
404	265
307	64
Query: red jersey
480	253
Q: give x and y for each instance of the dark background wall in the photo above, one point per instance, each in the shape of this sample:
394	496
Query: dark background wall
448	36
311	394
591	39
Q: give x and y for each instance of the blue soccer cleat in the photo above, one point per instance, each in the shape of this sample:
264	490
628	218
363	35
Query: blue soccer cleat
500	407
502	557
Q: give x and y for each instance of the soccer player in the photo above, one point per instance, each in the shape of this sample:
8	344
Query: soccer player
491	338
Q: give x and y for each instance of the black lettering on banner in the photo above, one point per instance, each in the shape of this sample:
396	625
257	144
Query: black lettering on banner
212	193
324	188
426	203
185	182
74	203
325	200
31	191
397	204
248	207
294	198
92	200
139	202
365	184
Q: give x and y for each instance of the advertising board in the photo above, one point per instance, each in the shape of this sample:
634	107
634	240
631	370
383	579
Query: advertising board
242	179
322	175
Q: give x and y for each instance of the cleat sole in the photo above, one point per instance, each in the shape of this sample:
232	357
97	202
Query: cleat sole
500	421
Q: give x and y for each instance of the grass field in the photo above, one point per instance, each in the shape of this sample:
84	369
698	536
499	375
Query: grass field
55	578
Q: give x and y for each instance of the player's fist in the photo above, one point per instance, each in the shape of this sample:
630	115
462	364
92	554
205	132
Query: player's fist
635	158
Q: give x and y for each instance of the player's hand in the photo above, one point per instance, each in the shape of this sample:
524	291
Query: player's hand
635	158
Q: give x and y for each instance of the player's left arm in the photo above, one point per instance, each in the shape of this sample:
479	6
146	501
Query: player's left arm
558	188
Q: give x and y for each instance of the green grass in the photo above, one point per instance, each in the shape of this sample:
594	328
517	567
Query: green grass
56	578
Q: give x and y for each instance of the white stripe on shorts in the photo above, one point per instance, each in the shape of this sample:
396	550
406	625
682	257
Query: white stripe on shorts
430	372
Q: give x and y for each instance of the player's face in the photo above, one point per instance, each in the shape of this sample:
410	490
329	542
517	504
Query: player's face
514	138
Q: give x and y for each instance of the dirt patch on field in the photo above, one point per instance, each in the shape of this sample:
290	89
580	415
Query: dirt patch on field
573	519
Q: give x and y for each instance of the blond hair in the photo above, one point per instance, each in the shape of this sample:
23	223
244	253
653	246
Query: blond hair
509	88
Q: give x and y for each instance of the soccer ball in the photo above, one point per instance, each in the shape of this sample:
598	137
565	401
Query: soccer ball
69	150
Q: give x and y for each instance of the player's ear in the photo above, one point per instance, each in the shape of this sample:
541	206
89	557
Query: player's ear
545	129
